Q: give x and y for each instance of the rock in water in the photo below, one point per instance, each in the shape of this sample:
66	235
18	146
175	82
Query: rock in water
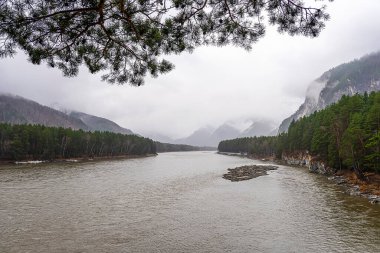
247	172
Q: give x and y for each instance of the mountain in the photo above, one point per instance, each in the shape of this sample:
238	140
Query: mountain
95	123
224	132
211	137
308	107
18	110
259	128
200	137
158	137
358	76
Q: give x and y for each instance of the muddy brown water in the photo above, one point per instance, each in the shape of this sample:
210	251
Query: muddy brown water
179	202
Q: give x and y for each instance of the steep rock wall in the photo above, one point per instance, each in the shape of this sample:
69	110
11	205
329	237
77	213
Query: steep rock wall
304	159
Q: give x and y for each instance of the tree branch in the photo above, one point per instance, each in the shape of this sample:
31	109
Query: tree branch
63	12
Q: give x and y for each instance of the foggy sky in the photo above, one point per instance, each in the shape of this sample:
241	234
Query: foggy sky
212	85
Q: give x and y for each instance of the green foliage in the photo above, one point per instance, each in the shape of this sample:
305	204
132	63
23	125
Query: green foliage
261	146
344	135
168	147
372	159
19	142
127	37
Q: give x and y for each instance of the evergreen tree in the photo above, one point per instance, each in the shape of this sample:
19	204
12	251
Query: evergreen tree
20	142
128	37
343	135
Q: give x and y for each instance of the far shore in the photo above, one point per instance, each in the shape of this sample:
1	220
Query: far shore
73	160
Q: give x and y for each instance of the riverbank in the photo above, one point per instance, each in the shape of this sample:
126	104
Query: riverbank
348	180
74	160
367	187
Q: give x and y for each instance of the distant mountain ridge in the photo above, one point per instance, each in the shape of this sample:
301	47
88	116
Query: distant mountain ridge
95	123
200	137
210	137
19	110
358	76
260	128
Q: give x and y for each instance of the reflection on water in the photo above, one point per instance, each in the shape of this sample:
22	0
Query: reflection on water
178	202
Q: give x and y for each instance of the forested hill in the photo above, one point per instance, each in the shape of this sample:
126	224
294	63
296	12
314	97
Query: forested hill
344	135
95	123
355	77
18	110
36	142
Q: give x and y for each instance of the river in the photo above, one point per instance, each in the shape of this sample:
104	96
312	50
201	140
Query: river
178	202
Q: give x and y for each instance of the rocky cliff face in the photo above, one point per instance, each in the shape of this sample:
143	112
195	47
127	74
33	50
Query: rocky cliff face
307	108
358	76
304	159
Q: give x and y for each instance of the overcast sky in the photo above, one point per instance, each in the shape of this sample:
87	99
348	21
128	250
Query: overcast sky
212	85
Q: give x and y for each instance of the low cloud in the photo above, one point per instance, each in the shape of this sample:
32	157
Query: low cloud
212	85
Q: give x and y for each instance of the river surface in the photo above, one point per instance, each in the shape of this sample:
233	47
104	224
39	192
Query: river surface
178	202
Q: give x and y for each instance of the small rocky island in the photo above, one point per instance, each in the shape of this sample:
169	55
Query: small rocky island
248	172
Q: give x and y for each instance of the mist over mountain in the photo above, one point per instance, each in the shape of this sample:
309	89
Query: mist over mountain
223	132
18	110
260	128
99	124
211	137
200	137
358	76
158	137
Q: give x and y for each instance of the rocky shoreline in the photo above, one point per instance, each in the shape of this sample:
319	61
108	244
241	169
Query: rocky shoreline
369	189
247	172
366	189
354	189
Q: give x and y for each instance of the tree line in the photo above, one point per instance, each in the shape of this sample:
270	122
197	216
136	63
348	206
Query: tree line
37	142
168	147
344	135
259	146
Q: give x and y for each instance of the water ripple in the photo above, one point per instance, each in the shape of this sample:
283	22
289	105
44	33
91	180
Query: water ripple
178	202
